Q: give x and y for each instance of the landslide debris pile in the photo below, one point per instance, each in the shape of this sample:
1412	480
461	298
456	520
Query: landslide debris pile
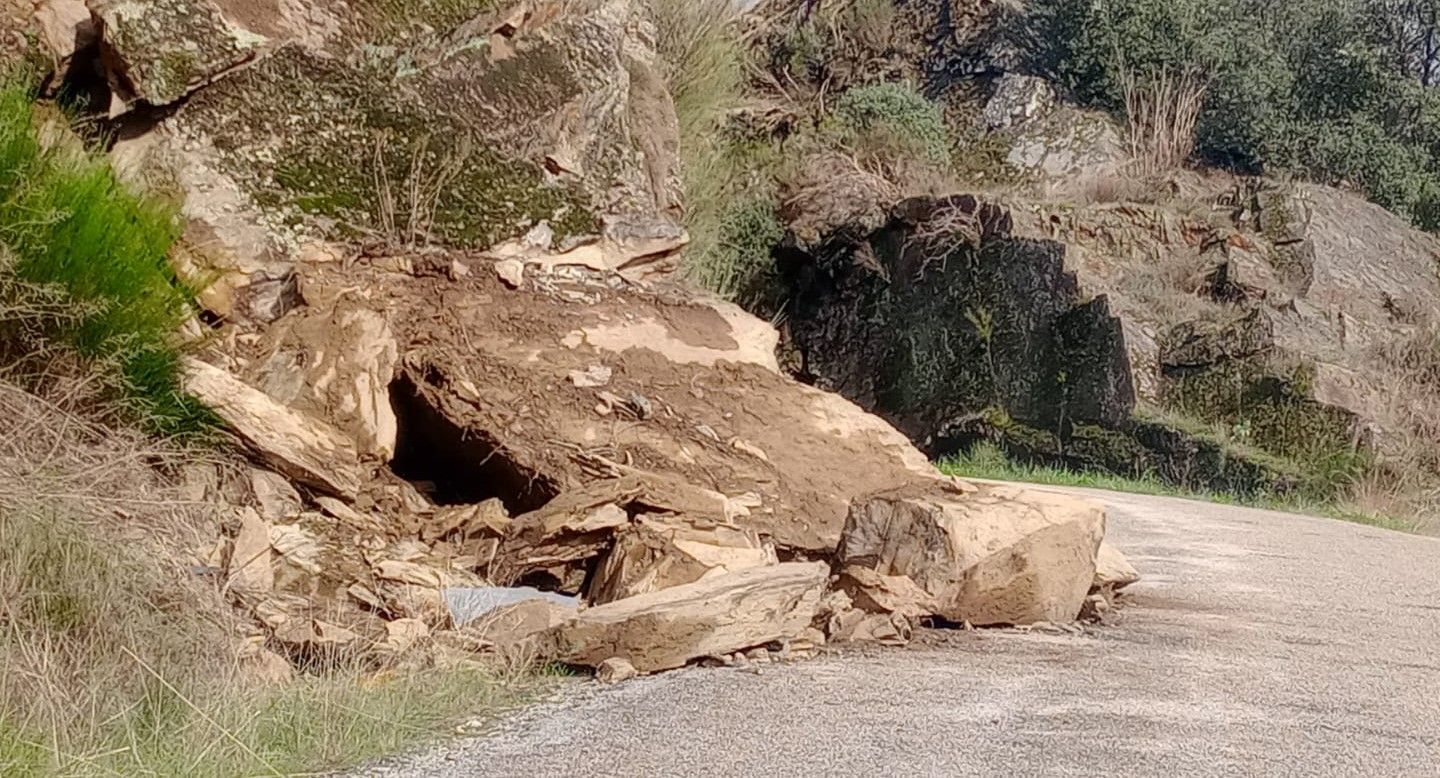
629	448
529	439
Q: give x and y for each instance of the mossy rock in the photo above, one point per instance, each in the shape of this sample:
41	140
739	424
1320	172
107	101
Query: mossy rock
348	147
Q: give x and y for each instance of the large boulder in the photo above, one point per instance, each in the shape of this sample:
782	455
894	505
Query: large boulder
1007	556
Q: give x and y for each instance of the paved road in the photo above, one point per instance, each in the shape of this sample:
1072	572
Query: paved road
1258	644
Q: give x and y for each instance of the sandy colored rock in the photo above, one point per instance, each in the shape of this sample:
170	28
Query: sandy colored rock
250	571
615	670
275	498
886	629
1004	556
873	592
64	26
712	617
305	449
511	625
1113	571
164	49
660	551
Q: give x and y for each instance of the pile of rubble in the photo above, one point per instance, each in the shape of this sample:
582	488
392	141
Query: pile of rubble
611	475
543	447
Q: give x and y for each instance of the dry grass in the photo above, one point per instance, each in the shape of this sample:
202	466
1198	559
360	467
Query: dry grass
118	655
1161	112
1407	483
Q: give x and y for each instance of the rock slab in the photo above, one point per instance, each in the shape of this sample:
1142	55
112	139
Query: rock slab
1005	556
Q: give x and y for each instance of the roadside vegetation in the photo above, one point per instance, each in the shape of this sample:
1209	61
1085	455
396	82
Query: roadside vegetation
987	461
119	654
84	272
1337	91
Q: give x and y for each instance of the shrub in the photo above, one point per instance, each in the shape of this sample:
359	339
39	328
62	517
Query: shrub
1323	89
892	119
87	266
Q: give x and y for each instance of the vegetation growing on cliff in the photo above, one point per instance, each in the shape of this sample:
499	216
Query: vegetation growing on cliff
84	269
1339	91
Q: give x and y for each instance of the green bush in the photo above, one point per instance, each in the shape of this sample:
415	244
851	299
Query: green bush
97	255
1323	89
737	263
892	118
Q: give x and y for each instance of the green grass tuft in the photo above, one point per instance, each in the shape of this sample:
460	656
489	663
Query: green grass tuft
69	226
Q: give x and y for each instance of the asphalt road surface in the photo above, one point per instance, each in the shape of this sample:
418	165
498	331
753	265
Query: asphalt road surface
1259	643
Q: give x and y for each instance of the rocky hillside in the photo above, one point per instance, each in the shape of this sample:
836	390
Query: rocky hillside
1048	280
427	263
555	327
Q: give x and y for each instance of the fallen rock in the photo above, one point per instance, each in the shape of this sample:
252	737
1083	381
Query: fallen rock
615	670
1005	556
659	551
515	624
250	572
886	629
466	604
305	449
715	616
1113	571
875	593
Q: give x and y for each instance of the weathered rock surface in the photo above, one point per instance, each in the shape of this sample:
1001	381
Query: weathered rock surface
1113	571
308	450
1008	556
715	616
659	551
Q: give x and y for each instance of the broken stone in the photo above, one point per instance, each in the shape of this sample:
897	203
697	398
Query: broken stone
519	622
467	604
305	449
275	498
615	670
512	272
1004	556
1113	571
250	572
593	377
875	593
468	521
714	616
165	50
659	551
65	26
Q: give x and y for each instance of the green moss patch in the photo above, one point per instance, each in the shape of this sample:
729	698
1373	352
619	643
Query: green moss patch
349	144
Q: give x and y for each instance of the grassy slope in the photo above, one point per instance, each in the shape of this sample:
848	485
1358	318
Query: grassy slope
988	462
115	658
